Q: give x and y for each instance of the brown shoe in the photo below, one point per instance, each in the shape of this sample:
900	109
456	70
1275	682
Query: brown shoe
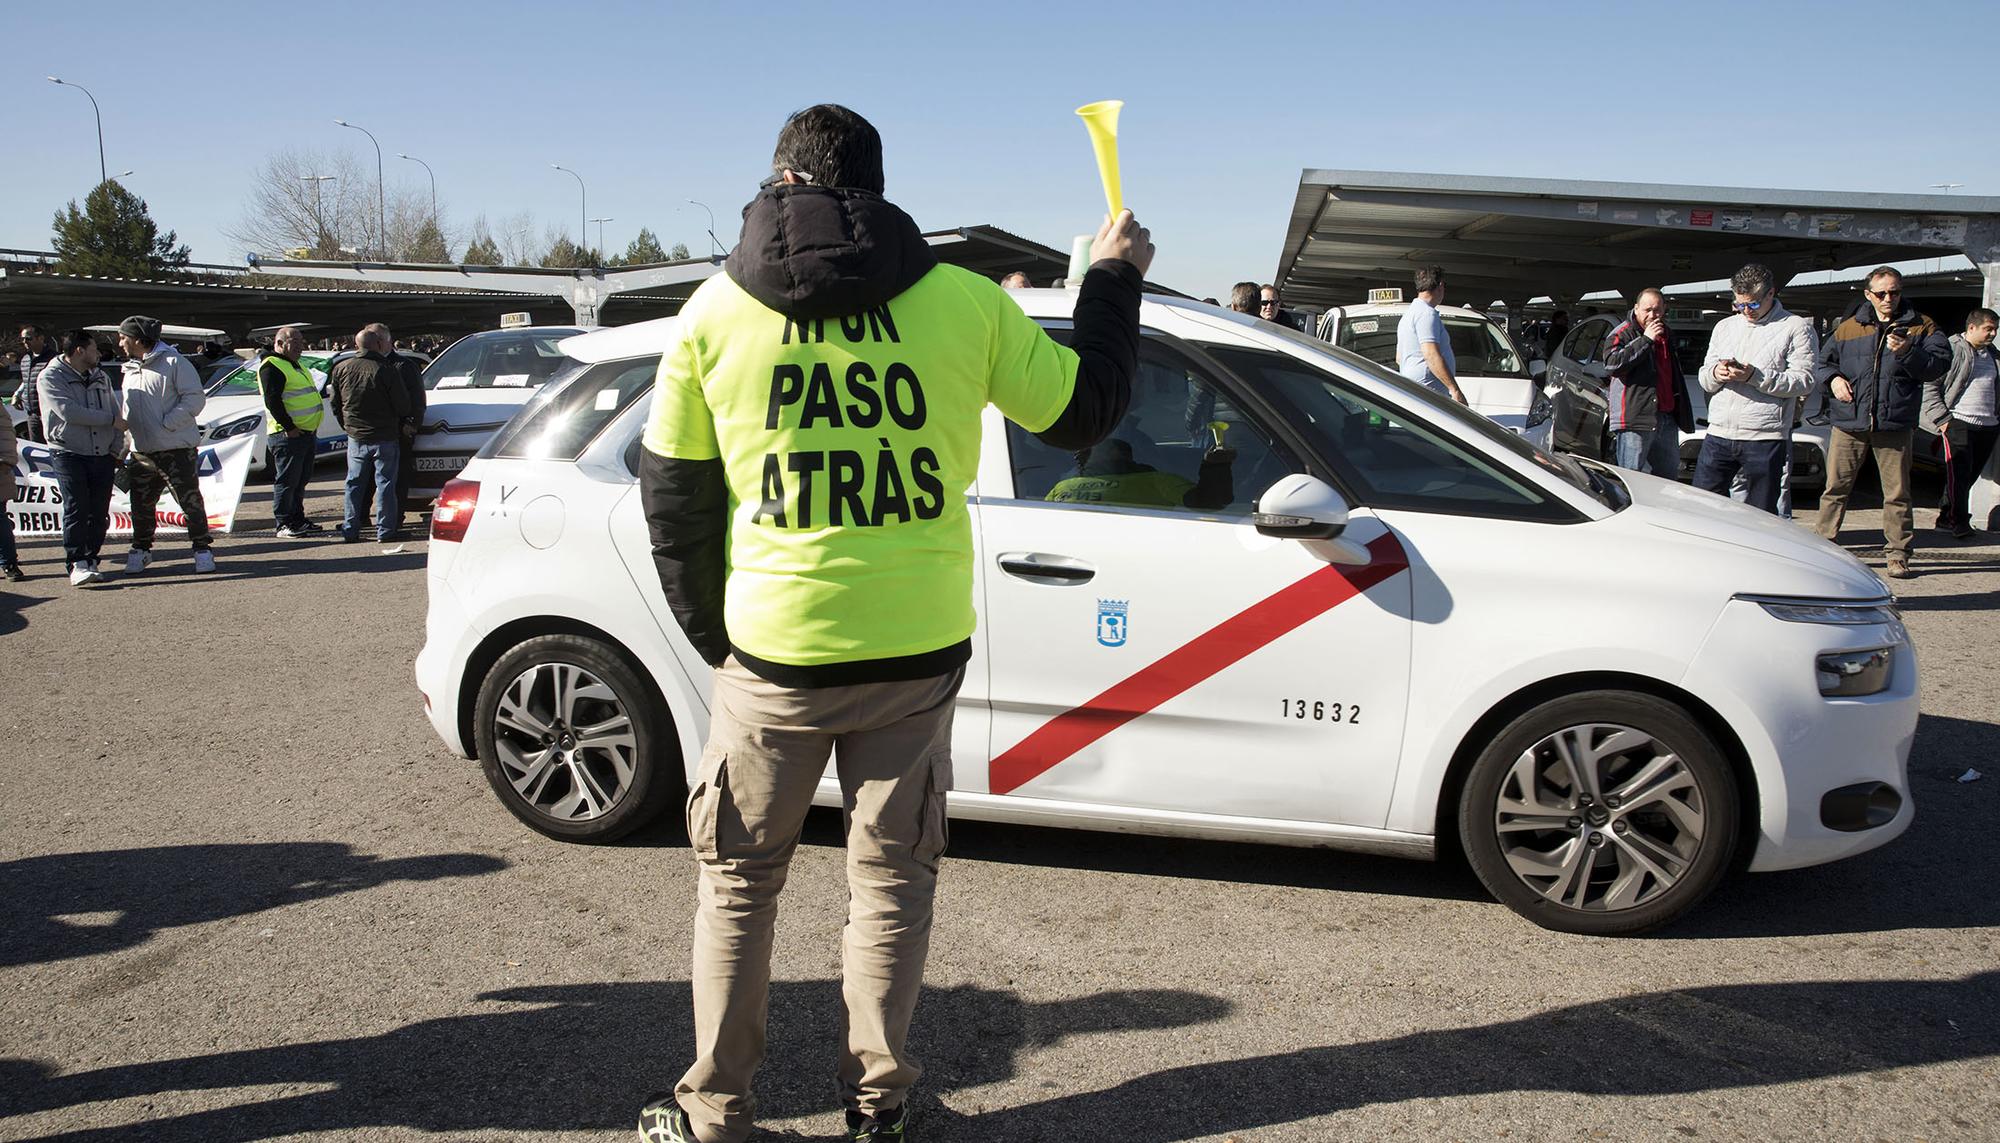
1898	569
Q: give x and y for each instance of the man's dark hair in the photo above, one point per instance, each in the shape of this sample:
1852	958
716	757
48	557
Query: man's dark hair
833	145
75	339
1243	297
1884	272
1429	278
1980	315
30	329
1754	279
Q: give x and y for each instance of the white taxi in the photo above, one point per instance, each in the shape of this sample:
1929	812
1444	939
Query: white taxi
1407	629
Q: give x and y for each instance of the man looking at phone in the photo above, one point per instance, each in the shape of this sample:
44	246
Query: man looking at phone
1760	360
1875	365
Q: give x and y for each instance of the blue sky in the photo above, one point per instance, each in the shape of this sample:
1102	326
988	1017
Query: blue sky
658	103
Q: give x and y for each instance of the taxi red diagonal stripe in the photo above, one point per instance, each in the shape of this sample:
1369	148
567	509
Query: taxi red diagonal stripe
1194	662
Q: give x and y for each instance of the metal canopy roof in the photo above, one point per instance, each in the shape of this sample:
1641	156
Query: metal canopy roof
1514	239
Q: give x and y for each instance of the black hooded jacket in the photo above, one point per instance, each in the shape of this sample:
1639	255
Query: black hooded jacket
814	253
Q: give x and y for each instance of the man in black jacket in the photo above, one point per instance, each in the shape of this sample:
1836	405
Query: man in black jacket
830	385
371	403
1648	396
1875	365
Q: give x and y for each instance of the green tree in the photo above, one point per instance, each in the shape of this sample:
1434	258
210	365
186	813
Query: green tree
645	250
679	251
113	236
429	244
483	252
569	255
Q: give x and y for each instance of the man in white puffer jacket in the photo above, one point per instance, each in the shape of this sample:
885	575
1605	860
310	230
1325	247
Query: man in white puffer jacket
1760	362
162	396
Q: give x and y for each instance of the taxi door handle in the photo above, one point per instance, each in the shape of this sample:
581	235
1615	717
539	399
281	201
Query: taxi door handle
1058	571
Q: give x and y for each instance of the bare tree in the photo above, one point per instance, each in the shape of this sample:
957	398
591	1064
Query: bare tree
294	207
519	245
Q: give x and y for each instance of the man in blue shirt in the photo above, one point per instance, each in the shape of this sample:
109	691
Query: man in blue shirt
1423	347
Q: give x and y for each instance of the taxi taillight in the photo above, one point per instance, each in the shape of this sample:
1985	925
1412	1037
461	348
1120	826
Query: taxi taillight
453	513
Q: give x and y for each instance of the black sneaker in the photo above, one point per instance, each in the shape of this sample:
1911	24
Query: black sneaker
663	1121
892	1126
308	528
13	572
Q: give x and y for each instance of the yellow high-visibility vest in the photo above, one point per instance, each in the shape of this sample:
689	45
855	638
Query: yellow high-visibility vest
301	397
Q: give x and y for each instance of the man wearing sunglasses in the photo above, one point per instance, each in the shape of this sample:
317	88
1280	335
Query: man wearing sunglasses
1875	365
1759	363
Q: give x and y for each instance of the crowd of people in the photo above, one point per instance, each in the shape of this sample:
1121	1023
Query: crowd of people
1885	369
137	430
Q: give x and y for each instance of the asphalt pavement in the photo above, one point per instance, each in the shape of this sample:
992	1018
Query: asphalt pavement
248	895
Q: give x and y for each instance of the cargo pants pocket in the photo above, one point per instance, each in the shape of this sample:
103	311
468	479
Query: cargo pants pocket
704	807
933	827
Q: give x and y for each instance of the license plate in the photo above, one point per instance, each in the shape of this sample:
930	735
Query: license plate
440	463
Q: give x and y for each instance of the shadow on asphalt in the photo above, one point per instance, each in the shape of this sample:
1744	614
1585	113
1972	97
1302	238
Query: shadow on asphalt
12	604
583	1056
135	893
227	567
576	1057
1940	874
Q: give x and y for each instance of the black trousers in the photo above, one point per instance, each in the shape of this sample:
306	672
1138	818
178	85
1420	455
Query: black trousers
1967	449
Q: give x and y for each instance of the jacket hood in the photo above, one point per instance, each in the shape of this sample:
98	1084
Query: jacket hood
820	252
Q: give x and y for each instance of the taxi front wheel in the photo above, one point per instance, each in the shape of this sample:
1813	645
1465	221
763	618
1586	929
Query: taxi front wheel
573	740
1603	813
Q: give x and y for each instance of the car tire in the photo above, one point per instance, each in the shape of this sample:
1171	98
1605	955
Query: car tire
547	726
1603	813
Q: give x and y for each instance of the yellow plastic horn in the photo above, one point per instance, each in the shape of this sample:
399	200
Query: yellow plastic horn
1101	120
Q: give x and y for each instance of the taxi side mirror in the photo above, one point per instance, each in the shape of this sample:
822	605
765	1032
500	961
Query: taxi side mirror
1301	507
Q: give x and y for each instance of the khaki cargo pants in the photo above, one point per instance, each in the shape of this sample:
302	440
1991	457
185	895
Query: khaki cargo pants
1847	454
767	747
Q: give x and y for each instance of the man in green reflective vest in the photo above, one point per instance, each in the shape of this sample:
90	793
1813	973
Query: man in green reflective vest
293	412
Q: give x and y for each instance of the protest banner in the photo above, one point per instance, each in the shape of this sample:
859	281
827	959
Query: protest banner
223	469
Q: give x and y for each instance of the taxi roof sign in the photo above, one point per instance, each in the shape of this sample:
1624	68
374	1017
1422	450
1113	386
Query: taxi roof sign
1385	295
519	320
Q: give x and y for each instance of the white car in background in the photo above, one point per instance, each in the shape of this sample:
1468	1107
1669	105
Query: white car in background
471	390
235	407
1397	637
1493	372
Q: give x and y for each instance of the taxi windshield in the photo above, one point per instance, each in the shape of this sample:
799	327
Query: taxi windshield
1481	348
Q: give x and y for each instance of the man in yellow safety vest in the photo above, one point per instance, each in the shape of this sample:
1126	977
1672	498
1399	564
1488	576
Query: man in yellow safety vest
293	411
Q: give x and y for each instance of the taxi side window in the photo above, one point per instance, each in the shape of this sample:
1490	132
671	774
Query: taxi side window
1184	445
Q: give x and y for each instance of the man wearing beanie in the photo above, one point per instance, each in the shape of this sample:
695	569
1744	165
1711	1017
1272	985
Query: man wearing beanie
162	397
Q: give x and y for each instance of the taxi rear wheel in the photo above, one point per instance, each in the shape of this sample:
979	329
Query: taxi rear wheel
572	739
1604	813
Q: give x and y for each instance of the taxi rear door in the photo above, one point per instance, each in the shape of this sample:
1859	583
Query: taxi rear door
1148	649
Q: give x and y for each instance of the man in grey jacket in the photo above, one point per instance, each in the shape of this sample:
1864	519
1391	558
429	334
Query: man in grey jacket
162	397
84	429
1760	361
1960	408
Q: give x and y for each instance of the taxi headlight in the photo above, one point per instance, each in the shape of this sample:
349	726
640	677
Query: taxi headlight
1859	614
236	428
1850	674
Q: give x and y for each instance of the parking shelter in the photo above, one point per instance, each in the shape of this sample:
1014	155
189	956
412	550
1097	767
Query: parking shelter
1517	239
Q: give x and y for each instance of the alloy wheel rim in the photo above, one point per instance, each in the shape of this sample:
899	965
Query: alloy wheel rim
1600	817
565	742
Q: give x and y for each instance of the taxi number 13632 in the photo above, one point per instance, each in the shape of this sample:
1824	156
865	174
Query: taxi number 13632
1310	710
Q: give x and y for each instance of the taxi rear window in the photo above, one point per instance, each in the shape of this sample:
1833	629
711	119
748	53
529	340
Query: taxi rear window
569	412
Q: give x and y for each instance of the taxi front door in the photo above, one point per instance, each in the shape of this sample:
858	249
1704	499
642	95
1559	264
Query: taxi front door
1168	658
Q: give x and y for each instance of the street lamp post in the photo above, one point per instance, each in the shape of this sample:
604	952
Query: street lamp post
434	183
600	233
319	219
583	232
714	243
381	211
101	176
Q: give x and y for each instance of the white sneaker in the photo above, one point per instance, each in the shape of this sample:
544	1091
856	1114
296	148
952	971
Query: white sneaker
136	561
85	574
204	561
